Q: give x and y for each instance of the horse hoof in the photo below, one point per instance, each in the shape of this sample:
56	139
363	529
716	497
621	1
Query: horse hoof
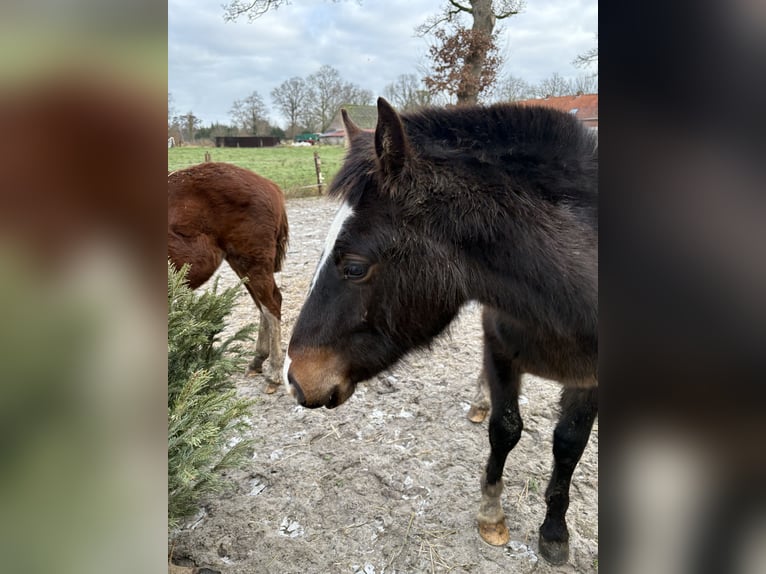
554	551
271	388
477	414
496	534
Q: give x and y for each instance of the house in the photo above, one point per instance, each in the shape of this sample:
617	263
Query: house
583	106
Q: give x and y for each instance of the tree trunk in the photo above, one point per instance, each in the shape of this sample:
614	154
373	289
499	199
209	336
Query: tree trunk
483	24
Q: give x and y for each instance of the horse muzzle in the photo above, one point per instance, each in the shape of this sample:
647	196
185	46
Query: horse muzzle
315	379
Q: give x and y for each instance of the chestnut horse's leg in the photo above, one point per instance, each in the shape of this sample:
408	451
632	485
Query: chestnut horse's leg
504	432
273	315
578	411
262	345
268	299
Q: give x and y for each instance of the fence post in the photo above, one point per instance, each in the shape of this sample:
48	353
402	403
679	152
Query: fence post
207	156
320	177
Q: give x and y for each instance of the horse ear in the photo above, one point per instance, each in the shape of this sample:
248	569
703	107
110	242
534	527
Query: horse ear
390	140
352	130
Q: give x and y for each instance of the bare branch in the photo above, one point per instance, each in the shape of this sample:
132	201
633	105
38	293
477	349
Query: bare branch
508	8
460	7
445	17
587	58
507	14
254	9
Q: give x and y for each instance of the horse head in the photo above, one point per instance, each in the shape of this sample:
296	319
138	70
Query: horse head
381	287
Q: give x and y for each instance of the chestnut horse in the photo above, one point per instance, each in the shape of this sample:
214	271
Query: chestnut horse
219	211
441	207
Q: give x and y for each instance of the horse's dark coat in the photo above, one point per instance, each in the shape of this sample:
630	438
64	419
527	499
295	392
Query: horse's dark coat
496	204
219	211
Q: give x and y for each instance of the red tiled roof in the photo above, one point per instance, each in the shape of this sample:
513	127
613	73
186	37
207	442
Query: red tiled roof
585	104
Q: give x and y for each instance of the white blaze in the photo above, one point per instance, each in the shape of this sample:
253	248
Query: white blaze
285	368
345	212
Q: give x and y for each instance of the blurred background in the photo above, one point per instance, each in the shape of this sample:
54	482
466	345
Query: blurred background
82	311
682	279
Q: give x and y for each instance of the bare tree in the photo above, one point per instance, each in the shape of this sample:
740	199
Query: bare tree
326	87
310	115
249	114
585	84
407	92
473	51
291	98
353	94
555	85
253	9
512	89
188	124
328	93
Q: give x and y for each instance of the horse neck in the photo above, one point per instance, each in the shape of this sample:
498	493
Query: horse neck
541	272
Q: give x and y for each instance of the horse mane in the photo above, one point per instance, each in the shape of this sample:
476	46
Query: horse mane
521	143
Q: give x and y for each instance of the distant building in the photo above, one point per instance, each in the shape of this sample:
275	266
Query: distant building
333	137
583	106
246	141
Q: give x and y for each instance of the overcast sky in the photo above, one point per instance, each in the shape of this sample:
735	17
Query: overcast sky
211	63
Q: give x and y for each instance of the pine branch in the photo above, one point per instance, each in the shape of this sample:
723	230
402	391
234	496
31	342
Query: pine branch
207	421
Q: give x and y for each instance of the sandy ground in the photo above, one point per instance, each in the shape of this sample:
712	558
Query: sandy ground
389	481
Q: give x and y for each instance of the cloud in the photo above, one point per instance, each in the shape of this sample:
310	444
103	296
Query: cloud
211	63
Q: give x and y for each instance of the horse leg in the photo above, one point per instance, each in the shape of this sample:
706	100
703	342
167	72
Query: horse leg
273	316
578	411
262	343
504	432
269	300
480	402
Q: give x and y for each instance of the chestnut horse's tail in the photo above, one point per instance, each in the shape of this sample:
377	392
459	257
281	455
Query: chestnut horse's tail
282	241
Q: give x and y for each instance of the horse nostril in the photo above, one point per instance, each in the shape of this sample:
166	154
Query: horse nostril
298	391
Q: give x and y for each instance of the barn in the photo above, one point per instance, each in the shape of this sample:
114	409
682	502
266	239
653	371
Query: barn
246	141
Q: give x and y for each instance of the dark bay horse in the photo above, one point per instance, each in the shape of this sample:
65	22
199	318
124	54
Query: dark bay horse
219	211
445	206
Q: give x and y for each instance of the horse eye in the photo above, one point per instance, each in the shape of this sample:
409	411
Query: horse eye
355	270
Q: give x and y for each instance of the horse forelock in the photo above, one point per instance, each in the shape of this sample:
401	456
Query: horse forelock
358	172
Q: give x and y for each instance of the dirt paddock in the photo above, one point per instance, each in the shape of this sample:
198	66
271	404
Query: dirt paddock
389	481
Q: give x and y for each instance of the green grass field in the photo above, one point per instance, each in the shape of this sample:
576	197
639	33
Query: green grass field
291	168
